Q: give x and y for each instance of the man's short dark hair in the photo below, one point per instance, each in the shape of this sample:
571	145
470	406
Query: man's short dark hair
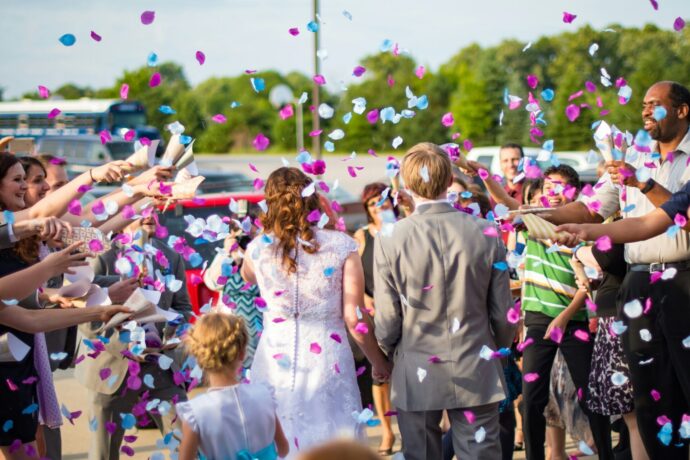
567	172
678	94
513	145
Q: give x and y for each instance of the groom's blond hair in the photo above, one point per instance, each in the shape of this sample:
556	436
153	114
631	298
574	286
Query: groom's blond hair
426	170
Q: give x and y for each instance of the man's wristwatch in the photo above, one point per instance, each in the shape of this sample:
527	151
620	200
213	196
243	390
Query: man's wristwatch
649	185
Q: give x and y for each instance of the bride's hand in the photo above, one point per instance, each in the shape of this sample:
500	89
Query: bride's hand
382	371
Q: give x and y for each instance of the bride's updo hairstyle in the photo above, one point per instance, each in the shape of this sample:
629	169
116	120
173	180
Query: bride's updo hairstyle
217	341
287	214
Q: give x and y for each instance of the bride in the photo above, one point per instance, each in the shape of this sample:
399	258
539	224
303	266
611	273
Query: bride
312	282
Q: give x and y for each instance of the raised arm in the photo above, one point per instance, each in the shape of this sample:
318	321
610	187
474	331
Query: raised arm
34	321
57	202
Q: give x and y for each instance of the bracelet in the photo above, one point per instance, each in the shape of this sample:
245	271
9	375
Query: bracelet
649	185
91	175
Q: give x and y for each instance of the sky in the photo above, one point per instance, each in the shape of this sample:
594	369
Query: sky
236	35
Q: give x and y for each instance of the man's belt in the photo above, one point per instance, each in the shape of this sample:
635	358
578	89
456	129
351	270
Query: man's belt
660	267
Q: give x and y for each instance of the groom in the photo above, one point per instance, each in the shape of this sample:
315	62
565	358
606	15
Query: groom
441	296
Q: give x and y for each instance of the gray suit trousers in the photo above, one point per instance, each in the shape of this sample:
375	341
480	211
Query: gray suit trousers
107	408
421	433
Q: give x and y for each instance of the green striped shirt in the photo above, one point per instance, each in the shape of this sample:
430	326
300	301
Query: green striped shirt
549	281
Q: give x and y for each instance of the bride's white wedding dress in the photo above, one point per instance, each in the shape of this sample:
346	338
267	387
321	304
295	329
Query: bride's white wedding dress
303	351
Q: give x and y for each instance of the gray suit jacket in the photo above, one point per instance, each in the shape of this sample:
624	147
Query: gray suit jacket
439	298
88	371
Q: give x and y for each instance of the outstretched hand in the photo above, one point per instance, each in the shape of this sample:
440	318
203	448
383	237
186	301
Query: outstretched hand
109	311
576	233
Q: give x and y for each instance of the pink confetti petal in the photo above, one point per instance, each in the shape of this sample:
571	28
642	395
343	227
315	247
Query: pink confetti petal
43	92
294	31
420	71
655	4
54	113
678	24
261	142
581	335
219	118
513	315
200	57
336	337
320	80
531	377
591	306
286	112
96	37
467	145
447	120
491	231
105	136
373	116
124	91
130	135
147	17
315	348
434	359
572	112
656	396
95	246
556	335
532	81
11	385
603	243
568	18
361	328
358	71
155	80
469	416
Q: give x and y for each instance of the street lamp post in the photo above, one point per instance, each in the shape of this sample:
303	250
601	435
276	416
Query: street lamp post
316	125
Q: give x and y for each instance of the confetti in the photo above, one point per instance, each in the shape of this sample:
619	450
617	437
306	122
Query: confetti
147	17
200	57
68	39
568	18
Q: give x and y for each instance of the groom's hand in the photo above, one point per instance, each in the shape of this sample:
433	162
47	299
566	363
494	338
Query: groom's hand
382	371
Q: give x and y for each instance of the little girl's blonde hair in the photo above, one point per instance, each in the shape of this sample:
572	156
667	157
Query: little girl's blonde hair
217	341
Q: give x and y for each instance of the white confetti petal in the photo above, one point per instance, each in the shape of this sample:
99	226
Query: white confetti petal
480	435
421	374
633	309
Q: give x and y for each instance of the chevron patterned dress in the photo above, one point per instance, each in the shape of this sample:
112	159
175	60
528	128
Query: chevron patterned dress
241	303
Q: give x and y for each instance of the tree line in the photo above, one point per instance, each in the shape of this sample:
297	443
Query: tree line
475	86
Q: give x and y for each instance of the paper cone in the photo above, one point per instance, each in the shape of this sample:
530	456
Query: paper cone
173	151
580	274
186	158
85	234
186	189
143	158
602	138
541	229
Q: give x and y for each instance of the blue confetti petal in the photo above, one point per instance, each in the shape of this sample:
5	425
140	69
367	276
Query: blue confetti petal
386	45
501	266
148	381
258	84
9	217
128	421
347	117
328	272
30	409
329	146
196	260
312	26
629	208
68	39
547	95
152	59
166	109
7	426
422	102
184	140
665	433
93	424
659	112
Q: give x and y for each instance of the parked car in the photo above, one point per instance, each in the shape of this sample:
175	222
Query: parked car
488	156
85	150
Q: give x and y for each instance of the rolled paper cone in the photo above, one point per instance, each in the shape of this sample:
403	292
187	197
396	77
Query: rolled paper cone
541	229
602	138
186	158
461	162
173	151
580	274
138	160
186	189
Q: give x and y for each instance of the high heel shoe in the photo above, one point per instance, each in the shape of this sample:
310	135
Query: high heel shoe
388	451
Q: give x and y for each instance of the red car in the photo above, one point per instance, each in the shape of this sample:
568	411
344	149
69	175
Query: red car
202	206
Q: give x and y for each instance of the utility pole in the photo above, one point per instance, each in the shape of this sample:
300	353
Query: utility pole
316	122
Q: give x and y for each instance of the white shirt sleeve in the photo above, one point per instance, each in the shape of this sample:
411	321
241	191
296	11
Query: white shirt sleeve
606	199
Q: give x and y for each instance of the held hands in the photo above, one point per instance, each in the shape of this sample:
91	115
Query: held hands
622	173
576	234
70	257
382	370
49	228
60	301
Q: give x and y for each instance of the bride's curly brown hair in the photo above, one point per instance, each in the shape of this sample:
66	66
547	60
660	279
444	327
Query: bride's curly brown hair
287	214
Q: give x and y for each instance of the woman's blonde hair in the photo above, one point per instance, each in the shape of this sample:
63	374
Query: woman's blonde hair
217	341
287	213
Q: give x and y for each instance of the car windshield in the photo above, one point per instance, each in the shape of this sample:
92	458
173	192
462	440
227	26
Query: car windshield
128	119
120	150
173	220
